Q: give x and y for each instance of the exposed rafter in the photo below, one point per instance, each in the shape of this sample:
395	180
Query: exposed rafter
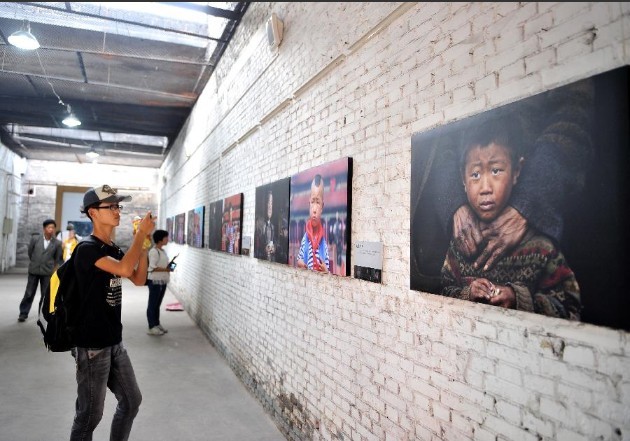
125	73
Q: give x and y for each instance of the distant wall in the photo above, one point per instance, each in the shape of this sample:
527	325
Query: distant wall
38	195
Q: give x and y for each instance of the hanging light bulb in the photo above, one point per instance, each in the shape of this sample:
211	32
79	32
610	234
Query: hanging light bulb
24	39
71	120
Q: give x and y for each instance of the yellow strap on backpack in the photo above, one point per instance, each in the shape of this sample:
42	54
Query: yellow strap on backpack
54	286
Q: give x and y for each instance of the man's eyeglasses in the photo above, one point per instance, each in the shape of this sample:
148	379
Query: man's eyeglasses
112	207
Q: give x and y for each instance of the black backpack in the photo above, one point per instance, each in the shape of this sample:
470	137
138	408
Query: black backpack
59	308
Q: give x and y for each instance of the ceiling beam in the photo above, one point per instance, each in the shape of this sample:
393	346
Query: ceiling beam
31	142
120	20
7	140
184	98
206	9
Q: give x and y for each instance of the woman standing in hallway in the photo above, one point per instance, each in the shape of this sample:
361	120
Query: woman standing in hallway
157	280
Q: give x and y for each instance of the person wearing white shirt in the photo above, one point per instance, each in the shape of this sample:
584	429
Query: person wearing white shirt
157	279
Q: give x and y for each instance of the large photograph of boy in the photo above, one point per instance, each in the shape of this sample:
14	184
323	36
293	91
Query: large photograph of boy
195	227
215	215
521	207
319	218
271	235
232	220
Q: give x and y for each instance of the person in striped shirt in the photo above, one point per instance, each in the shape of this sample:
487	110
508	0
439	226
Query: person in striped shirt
314	249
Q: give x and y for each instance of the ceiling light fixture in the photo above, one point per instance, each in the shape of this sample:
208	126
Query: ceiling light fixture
24	39
71	120
92	154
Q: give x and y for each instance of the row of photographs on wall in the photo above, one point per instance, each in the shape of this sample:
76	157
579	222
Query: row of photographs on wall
302	221
520	207
524	206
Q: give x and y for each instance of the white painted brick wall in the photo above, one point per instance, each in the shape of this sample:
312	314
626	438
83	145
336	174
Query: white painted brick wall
334	358
11	169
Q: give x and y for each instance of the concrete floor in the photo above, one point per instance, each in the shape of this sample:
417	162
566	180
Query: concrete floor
189	391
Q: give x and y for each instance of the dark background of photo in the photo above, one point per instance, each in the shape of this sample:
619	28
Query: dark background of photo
180	228
215	213
595	240
279	218
169	228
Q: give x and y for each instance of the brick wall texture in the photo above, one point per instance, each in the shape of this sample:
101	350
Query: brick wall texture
11	169
335	358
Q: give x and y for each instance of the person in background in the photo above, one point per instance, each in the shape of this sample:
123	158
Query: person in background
266	240
101	358
69	243
157	279
63	235
45	254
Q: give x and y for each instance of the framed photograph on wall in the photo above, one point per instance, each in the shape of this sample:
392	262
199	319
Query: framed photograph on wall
271	234
215	225
523	206
169	228
194	236
180	228
189	227
319	218
232	221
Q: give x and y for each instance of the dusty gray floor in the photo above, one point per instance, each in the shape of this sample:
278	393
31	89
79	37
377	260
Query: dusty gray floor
189	391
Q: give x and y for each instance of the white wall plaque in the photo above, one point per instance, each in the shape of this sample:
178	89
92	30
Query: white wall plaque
368	261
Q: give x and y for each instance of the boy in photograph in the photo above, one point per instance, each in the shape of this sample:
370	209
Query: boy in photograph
313	252
535	276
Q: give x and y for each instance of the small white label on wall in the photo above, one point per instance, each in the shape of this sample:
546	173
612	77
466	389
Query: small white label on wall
246	243
368	261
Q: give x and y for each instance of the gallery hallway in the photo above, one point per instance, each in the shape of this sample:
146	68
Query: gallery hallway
189	391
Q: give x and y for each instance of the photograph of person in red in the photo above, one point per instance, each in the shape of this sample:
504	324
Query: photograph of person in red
232	220
319	219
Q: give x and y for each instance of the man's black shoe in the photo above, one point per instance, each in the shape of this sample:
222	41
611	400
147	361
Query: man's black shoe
21	318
